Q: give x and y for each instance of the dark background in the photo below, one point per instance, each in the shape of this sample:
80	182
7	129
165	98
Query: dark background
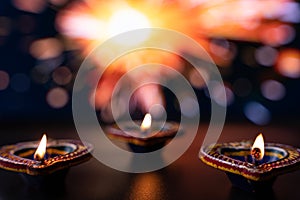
24	99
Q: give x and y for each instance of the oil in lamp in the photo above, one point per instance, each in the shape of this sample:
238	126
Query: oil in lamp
148	136
252	167
44	163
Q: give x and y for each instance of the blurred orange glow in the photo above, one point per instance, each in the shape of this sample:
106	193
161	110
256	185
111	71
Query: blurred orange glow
288	63
57	97
207	19
90	22
126	20
148	186
277	34
266	55
46	48
196	79
34	6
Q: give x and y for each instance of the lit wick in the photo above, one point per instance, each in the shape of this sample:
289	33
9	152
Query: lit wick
146	124
258	149
256	153
40	152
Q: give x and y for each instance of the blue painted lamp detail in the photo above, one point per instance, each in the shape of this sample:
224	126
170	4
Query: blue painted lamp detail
252	167
42	158
146	138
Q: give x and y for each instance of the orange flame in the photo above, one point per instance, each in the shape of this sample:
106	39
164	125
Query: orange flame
259	144
146	124
41	150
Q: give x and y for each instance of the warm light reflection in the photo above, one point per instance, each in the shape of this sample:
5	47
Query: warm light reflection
146	124
148	186
258	147
41	150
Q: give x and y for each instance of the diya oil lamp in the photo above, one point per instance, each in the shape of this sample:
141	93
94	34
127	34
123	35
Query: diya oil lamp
250	167
146	137
43	163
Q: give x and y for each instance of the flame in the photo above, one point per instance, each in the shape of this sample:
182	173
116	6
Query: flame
259	143
146	124
41	150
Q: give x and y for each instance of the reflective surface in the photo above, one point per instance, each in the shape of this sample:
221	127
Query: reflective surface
187	178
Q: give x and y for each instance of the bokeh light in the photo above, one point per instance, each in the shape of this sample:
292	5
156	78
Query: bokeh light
198	80
273	90
57	97
290	12
4	80
62	76
288	63
209	23
46	48
33	6
277	35
222	48
266	55
189	107
257	113
255	44
218	95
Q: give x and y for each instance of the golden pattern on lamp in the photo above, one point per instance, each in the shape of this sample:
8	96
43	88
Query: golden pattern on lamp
44	158
146	137
252	167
